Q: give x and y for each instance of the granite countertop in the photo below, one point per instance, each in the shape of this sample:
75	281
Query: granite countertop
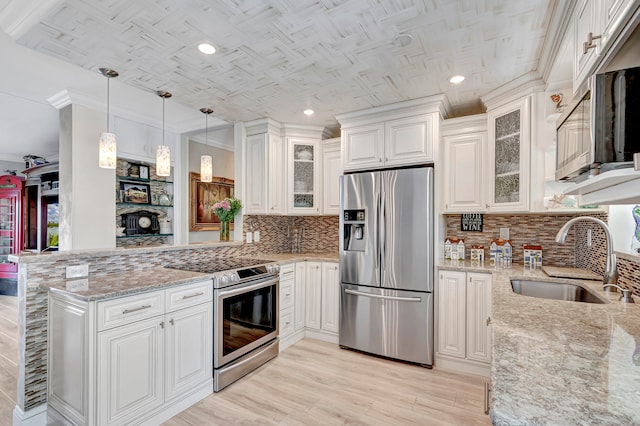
106	286
558	362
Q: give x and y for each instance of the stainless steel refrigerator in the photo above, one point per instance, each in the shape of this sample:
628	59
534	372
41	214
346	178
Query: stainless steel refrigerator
386	263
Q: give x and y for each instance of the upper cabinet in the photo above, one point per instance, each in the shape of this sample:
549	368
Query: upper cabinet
394	135
465	150
264	174
509	157
596	26
303	182
332	169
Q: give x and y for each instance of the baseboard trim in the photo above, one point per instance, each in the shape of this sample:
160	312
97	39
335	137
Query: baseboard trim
291	339
462	366
36	416
174	408
325	336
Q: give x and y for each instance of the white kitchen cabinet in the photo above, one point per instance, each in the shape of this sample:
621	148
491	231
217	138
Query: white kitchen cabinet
300	296
596	25
144	357
130	370
332	170
313	289
264	174
363	147
465	148
464	309
304	186
138	141
509	137
392	143
330	297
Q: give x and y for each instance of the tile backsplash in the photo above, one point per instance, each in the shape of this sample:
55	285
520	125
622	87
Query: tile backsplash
317	234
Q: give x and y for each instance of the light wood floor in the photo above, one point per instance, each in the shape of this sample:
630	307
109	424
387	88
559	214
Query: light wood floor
317	383
8	357
311	383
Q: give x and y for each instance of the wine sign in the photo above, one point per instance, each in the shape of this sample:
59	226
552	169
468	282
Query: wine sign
471	222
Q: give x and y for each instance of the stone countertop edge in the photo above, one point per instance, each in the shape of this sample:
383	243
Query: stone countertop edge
108	286
559	362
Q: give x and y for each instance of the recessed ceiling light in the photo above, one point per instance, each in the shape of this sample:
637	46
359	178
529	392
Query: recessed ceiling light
206	48
308	112
457	79
403	40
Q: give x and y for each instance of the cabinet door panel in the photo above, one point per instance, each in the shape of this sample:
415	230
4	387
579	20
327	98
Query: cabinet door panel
255	200
478	313
464	160
408	141
313	288
276	189
451	313
330	313
363	147
300	295
331	189
189	346
130	370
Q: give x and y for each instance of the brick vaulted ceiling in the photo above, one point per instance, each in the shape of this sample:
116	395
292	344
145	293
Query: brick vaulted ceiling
277	57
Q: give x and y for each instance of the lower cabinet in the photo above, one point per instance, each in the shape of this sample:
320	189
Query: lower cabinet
131	359
316	302
464	331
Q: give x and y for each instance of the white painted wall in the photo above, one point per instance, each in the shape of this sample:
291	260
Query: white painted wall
11	165
87	192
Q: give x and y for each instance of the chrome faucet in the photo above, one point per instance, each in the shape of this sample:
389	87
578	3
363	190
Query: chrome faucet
611	271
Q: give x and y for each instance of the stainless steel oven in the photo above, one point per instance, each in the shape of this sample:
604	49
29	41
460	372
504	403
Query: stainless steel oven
245	312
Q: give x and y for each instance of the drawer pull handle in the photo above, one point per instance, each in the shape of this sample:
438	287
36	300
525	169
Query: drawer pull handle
192	295
487	397
287	294
287	323
128	311
287	273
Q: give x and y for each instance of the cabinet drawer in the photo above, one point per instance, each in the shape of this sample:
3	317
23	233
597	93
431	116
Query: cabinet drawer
287	271
189	295
286	293
286	322
125	310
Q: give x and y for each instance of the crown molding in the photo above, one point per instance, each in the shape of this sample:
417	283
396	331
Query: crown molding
524	85
212	142
559	24
19	16
69	96
436	103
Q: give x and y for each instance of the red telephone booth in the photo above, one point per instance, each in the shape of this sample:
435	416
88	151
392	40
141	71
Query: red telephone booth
11	233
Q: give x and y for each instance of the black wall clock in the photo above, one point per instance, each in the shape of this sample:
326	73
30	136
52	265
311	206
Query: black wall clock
141	222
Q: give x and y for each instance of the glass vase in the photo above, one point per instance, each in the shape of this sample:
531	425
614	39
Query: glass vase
224	230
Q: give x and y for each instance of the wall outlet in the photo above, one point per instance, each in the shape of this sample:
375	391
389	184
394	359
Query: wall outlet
256	236
247	237
504	233
77	271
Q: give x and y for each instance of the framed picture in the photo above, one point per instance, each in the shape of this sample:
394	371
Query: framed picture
134	192
144	171
202	197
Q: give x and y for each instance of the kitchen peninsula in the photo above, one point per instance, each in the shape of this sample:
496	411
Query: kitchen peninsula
560	362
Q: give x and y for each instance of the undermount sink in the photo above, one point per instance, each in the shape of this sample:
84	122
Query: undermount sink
556	290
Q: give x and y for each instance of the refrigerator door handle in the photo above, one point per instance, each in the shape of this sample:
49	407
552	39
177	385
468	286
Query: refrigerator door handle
378	296
383	235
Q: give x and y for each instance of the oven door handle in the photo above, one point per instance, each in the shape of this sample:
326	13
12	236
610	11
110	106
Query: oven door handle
379	296
242	289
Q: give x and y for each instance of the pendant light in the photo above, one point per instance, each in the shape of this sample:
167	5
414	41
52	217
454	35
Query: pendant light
206	162
107	146
163	154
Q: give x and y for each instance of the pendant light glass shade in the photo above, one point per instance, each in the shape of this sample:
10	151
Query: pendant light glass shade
206	168
163	153
206	161
107	151
163	161
107	148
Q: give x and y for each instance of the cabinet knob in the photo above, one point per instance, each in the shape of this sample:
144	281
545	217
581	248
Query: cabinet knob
589	43
380	159
487	205
161	324
171	321
446	206
488	321
271	208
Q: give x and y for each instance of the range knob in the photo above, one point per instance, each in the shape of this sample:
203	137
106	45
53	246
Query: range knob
234	277
273	268
224	279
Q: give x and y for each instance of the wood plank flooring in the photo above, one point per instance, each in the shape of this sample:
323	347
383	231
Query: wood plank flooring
8	357
311	383
317	383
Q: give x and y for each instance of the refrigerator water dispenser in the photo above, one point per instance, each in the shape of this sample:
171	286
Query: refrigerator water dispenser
354	231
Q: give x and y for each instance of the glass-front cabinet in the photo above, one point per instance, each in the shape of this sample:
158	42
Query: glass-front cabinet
304	192
509	142
10	223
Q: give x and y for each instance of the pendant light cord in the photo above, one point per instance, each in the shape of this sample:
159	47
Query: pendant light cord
206	129
163	99
108	79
